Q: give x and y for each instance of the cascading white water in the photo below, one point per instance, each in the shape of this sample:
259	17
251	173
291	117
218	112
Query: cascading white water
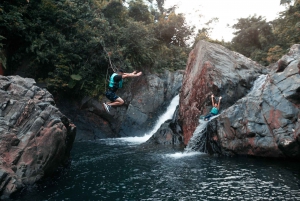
167	115
197	140
258	83
199	131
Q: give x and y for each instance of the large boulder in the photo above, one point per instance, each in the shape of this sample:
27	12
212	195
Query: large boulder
213	69
266	122
87	115
35	137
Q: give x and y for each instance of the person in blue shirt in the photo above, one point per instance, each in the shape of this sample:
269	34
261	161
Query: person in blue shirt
116	82
215	110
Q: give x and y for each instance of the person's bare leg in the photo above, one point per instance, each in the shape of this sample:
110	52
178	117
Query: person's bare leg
119	101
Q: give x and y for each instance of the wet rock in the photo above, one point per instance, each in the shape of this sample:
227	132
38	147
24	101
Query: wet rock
35	137
213	69
145	98
266	122
169	133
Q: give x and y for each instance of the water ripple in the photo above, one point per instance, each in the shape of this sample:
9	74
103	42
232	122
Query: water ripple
102	171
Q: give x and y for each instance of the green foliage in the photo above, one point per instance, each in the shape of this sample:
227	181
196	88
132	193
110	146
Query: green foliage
76	77
253	37
274	54
286	27
138	42
140	12
70	43
2	56
265	42
172	29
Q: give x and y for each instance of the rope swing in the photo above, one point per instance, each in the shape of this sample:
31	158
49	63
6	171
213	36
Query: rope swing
111	66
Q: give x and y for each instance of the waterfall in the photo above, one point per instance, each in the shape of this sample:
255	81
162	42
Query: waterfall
258	83
167	115
198	140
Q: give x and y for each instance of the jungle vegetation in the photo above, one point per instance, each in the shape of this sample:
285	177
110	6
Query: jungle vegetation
71	45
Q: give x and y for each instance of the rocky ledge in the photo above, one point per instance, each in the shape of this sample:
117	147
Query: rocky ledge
35	137
266	122
213	69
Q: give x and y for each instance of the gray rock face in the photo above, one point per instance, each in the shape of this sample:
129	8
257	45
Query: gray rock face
35	138
144	96
213	69
151	95
165	136
169	133
266	122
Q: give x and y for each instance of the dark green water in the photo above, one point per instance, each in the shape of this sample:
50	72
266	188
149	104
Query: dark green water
118	170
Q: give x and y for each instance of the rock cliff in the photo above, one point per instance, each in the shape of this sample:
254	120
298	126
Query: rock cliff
213	69
266	122
144	97
35	137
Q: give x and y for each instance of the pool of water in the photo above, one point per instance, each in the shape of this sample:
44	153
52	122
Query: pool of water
116	169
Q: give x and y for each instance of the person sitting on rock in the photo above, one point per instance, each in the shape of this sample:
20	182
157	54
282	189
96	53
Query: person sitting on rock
116	82
215	110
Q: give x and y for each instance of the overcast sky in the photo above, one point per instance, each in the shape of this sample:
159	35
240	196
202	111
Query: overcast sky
228	11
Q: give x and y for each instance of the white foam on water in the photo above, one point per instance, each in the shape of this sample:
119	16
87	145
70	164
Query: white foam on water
135	140
184	154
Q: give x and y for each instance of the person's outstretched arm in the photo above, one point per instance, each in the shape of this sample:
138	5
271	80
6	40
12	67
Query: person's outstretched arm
212	100
133	74
219	102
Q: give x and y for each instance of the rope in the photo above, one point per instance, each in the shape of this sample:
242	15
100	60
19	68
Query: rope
111	66
106	78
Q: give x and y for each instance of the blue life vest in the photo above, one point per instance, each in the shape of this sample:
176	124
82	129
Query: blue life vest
214	110
112	83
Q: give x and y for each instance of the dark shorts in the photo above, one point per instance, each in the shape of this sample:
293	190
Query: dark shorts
111	95
209	115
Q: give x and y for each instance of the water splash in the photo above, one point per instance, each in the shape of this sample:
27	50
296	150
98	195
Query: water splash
183	154
197	136
164	117
198	140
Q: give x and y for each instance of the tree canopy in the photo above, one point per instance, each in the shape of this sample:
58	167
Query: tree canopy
71	44
266	42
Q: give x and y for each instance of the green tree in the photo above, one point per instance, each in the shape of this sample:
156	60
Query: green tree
71	44
287	26
139	11
253	37
171	28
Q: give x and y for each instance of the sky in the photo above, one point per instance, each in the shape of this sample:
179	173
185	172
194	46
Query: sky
228	11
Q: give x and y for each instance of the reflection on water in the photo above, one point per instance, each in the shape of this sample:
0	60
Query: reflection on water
118	170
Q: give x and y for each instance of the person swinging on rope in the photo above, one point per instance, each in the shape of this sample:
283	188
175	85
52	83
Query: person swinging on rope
215	110
116	82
